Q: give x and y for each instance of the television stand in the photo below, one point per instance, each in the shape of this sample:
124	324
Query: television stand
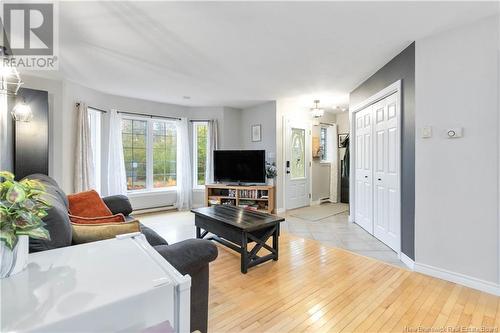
252	197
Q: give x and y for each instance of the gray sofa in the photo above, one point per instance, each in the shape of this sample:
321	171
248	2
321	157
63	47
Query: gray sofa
188	257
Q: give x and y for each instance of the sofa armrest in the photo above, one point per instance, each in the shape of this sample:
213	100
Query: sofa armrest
118	204
189	256
152	236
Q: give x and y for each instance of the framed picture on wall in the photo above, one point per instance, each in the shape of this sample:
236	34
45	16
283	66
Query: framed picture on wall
256	133
343	140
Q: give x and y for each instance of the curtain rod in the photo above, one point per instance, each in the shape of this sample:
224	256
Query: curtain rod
132	113
94	108
199	120
148	115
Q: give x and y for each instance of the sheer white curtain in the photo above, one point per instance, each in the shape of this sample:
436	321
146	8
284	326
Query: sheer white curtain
83	179
184	171
115	175
212	144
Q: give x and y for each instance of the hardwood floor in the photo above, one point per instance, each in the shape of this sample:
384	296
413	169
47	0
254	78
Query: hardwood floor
315	288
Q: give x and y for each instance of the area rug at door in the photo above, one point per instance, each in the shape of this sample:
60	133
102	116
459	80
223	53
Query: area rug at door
316	213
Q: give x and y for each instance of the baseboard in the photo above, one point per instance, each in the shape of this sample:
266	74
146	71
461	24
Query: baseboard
153	210
280	210
315	203
468	281
407	261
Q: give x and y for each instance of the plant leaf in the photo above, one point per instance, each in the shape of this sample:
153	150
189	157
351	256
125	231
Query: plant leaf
7	175
37	233
8	236
15	194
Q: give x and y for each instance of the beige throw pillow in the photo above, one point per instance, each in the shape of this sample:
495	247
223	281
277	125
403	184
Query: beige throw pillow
85	233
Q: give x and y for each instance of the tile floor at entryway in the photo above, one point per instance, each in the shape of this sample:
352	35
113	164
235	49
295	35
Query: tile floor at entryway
336	231
333	230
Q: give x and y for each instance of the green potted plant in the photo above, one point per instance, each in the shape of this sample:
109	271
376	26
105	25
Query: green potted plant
22	209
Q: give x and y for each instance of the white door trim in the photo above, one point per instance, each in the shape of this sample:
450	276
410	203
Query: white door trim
389	90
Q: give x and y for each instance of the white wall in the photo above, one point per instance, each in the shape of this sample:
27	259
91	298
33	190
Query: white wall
457	199
265	115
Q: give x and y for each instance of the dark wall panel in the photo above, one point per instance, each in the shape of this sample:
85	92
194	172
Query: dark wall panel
31	139
401	67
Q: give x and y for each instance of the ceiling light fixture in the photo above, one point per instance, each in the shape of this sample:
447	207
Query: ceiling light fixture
10	81
316	112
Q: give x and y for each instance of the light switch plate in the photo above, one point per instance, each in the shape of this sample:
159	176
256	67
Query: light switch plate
426	132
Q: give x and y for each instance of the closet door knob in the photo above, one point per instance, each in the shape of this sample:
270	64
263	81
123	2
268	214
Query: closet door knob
380	179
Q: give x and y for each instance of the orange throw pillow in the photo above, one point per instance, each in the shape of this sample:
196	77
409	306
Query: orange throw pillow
97	220
87	204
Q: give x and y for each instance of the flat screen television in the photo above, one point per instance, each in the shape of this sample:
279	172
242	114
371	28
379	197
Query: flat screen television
240	166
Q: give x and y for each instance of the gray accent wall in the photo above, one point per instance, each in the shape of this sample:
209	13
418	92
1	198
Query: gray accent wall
264	115
31	139
401	67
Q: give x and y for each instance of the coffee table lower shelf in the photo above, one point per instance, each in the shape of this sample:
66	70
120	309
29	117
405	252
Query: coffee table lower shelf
239	240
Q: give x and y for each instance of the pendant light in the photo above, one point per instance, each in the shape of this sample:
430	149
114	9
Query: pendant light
316	111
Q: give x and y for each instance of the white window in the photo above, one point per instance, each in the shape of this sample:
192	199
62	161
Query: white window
323	144
200	148
150	153
95	118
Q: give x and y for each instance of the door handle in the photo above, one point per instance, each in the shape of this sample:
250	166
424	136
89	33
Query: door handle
366	176
379	178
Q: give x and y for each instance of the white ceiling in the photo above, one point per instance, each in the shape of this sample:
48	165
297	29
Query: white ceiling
242	53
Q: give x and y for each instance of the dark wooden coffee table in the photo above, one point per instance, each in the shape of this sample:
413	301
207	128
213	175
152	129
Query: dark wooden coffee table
236	227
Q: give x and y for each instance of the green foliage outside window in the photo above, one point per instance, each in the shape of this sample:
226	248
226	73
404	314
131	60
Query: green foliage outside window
201	151
134	136
164	154
135	153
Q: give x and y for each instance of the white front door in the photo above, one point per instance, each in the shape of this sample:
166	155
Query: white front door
298	161
386	147
363	167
